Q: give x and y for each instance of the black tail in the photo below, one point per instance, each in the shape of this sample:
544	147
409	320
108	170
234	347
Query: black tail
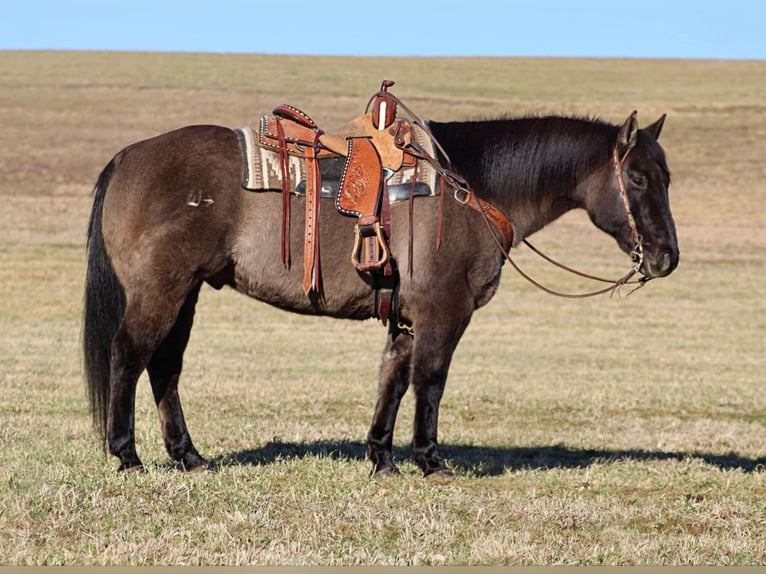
104	306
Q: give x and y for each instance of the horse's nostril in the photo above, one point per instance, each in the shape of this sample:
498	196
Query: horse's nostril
664	262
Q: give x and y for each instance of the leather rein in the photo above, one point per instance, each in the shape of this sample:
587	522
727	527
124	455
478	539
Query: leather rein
636	254
500	226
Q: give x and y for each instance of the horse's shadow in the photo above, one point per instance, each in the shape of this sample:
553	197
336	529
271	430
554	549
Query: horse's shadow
484	461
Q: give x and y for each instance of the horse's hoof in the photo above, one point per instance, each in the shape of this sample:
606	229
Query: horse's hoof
441	474
387	472
197	468
131	467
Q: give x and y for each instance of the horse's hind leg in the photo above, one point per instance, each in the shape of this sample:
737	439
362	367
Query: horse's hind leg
393	383
124	373
149	316
164	371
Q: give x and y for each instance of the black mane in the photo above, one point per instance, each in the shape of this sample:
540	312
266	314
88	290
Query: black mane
520	160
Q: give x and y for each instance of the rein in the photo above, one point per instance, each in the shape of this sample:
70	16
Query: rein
636	255
499	224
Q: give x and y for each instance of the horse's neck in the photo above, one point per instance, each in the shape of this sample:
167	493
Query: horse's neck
535	181
529	216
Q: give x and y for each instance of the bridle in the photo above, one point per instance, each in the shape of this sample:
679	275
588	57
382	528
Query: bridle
636	254
499	224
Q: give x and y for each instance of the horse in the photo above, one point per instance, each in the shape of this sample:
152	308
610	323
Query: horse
170	214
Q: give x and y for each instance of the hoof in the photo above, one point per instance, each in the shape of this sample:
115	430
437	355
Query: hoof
199	467
441	474
131	468
386	472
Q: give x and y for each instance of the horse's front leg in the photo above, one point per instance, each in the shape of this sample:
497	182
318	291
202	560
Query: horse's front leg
432	354
393	383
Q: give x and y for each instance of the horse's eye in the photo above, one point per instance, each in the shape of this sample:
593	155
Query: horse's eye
638	180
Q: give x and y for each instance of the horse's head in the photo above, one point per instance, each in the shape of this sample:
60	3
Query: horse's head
639	172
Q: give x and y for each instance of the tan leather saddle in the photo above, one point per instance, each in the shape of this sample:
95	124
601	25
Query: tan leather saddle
374	147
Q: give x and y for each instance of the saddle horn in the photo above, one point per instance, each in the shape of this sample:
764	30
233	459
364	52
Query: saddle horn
383	107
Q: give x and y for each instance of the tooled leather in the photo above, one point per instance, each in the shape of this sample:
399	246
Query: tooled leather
362	179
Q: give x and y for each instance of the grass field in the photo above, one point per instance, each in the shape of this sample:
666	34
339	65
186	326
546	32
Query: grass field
605	431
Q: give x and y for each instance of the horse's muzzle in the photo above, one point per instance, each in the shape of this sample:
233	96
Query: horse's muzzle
660	264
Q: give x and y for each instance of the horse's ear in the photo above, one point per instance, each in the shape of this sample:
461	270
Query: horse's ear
628	135
656	127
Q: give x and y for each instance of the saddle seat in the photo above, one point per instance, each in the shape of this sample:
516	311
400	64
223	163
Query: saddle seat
299	131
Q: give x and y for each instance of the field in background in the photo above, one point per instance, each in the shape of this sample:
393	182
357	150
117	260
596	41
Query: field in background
618	431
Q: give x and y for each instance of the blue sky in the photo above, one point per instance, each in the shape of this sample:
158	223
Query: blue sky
599	28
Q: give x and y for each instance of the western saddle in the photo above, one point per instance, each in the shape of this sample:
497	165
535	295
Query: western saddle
375	146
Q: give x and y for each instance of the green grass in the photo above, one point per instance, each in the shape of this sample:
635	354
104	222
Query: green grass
607	431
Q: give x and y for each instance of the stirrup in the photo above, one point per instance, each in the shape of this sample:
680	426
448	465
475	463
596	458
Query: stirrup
369	245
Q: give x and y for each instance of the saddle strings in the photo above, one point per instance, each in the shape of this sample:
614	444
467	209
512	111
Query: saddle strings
459	184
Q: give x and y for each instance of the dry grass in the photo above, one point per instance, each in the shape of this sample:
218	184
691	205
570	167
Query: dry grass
622	431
